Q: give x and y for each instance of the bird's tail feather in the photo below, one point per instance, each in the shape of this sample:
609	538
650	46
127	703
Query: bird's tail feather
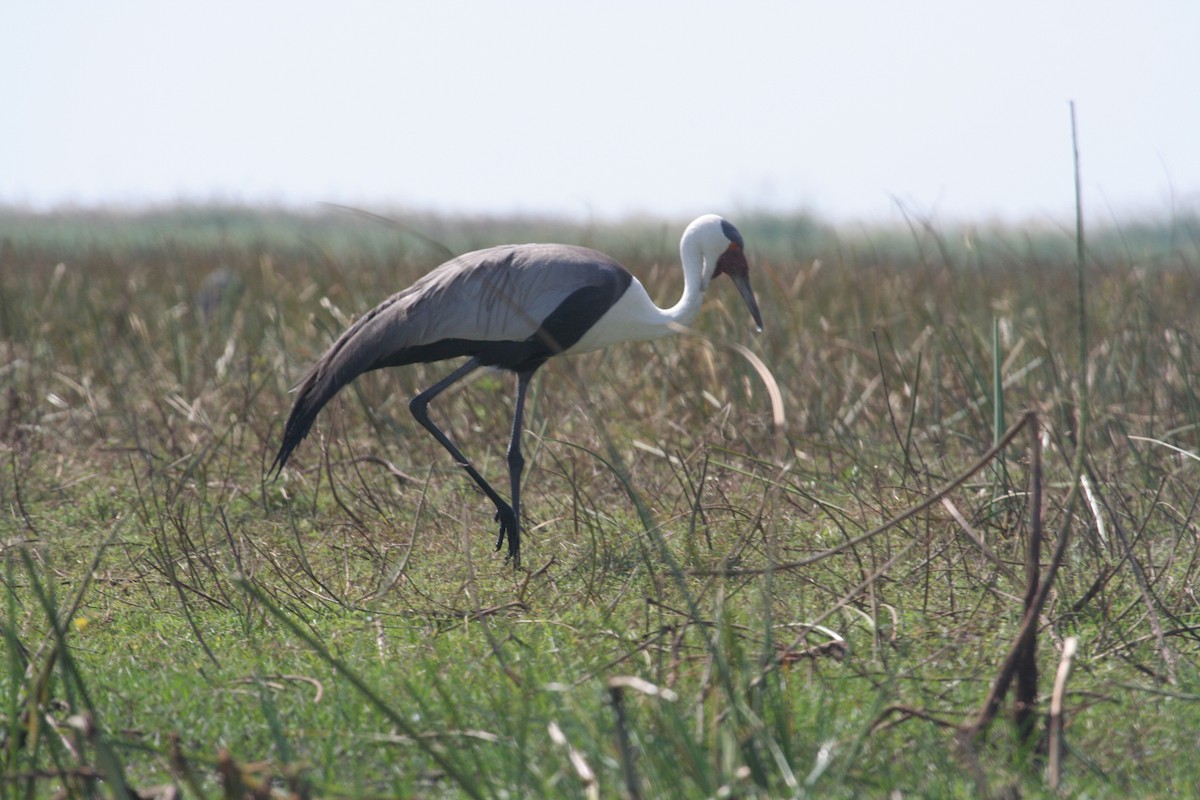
356	351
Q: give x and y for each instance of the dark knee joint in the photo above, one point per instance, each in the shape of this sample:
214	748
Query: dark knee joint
516	461
417	407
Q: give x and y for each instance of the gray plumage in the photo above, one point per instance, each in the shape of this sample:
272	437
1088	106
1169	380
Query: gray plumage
513	307
497	305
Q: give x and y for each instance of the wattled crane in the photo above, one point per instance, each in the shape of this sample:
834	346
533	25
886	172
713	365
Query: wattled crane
514	307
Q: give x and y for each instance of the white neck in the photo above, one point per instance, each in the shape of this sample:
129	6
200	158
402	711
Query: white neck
695	283
635	317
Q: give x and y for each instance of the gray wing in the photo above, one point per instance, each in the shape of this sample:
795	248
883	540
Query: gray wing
512	306
499	294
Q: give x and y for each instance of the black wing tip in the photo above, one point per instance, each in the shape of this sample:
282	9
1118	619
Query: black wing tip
276	468
281	459
314	392
294	431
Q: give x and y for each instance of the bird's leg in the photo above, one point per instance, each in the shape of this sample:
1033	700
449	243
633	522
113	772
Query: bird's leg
516	464
419	408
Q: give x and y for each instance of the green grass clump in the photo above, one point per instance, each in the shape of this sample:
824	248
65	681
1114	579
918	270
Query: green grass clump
710	604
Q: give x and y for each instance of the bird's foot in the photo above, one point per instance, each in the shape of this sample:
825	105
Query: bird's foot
509	528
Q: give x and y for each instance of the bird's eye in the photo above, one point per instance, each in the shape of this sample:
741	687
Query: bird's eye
733	245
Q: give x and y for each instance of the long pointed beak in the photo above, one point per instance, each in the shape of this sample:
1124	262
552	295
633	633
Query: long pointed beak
742	282
733	263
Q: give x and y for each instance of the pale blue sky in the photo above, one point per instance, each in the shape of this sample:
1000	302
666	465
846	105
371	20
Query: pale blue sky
955	109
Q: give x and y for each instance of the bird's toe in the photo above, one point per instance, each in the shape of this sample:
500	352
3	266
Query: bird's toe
508	530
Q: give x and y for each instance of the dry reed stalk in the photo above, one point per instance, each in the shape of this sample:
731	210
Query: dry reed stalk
1057	742
624	743
1026	664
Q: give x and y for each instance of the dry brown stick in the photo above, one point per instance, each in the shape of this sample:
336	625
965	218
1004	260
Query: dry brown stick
936	497
624	743
181	768
905	713
1026	665
1143	584
269	680
976	539
1028	625
402	478
1056	711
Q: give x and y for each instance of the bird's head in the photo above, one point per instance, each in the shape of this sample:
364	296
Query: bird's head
724	253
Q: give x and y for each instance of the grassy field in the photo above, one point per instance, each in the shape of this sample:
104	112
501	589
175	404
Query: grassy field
776	566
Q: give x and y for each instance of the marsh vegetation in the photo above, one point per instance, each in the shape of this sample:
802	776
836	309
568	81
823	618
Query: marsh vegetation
716	599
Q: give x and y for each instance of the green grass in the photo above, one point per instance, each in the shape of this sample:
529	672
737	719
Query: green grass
171	617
